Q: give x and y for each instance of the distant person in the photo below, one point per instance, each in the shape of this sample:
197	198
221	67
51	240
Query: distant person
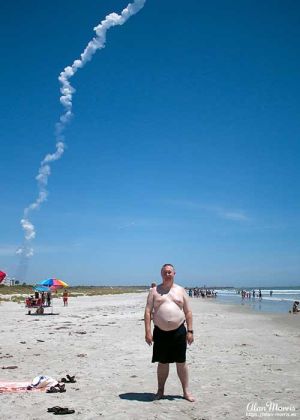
253	293
271	293
259	294
65	297
48	298
170	307
296	308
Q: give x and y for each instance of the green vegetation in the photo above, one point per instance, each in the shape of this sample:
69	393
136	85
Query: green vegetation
104	290
73	291
14	290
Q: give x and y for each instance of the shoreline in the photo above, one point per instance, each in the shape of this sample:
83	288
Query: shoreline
18	294
263	305
288	319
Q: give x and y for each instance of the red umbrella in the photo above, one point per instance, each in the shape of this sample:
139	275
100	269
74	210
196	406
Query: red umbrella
2	276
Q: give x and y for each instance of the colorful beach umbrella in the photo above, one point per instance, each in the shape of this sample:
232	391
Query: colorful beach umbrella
53	283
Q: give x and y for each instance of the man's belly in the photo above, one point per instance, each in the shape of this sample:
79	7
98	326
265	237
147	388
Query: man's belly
168	316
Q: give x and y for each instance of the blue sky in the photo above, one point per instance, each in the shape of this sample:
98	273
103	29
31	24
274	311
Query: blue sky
184	146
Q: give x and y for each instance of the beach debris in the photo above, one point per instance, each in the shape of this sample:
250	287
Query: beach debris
82	355
23	342
43	382
40	341
53	409
56	388
243	345
68	380
10	367
80	332
65	411
60	410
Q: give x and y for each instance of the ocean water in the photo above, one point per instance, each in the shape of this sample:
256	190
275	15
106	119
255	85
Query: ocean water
280	302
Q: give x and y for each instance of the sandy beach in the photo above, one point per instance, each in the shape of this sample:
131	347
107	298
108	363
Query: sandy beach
238	358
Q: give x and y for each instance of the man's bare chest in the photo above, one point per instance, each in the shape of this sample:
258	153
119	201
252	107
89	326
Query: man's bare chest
166	299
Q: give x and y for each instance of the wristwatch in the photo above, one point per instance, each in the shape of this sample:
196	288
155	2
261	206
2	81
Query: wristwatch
190	331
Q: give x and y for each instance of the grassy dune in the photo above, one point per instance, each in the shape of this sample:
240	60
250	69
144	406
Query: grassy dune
18	293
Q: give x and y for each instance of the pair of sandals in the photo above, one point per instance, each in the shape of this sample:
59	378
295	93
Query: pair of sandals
69	379
57	388
60	410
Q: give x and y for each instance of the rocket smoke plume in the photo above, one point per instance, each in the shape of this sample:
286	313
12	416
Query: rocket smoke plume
67	91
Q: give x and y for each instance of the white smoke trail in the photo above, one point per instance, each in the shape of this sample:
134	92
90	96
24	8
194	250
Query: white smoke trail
98	42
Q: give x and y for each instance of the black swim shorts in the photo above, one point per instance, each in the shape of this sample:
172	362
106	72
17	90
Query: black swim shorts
169	346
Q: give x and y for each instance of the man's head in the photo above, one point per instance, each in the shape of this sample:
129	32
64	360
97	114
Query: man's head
168	272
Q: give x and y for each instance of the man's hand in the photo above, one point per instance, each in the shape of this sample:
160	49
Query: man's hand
189	338
149	339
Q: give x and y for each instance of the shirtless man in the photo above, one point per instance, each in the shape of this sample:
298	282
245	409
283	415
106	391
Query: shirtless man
65	297
170	307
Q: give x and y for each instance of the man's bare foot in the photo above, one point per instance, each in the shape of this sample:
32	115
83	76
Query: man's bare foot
187	396
159	395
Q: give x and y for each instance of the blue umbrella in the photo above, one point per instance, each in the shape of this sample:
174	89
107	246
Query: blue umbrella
40	288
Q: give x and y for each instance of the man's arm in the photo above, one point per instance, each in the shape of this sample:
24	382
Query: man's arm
188	317
147	318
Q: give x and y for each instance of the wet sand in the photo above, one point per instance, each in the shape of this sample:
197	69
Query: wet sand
239	357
